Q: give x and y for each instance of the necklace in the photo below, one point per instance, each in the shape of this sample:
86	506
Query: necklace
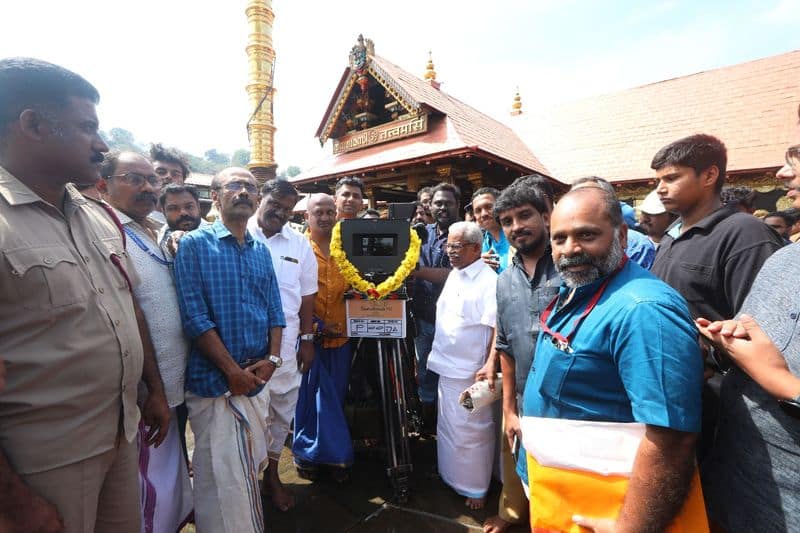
142	246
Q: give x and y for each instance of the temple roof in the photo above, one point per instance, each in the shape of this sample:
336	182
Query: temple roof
454	128
751	107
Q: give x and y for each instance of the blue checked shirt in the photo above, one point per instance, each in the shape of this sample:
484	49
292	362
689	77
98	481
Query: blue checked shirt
231	288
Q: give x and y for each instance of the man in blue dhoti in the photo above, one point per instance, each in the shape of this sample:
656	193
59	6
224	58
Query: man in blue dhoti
321	435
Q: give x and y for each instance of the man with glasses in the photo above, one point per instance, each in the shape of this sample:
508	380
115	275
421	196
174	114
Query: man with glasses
750	479
429	278
131	188
231	311
465	318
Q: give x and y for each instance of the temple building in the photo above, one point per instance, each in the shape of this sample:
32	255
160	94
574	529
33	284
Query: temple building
399	133
751	107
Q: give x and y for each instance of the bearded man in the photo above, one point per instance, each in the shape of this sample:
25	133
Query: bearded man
618	345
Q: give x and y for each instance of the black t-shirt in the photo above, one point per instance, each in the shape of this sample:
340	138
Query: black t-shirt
713	264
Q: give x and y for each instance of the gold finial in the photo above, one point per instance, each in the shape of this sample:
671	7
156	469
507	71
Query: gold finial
516	107
430	74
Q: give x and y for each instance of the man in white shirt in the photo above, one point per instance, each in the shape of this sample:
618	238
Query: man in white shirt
296	269
466	314
131	187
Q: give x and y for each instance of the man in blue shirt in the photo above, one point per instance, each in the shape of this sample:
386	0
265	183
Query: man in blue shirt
618	345
495	248
231	309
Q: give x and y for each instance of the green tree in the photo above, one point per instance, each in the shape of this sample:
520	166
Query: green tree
240	158
217	158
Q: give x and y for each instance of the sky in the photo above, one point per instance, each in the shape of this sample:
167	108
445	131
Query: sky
175	71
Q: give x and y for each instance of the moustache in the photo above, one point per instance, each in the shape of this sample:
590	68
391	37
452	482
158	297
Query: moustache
97	157
243	201
146	196
578	260
187	218
520	233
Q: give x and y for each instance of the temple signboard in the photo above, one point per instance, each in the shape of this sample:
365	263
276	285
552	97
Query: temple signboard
381	134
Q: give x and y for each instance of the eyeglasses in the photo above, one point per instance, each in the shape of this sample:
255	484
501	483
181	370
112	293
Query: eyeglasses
455	246
236	186
134	179
793	157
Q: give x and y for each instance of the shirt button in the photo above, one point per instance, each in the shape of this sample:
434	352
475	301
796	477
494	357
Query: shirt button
116	323
101	290
124	387
793	316
48	260
85	258
126	353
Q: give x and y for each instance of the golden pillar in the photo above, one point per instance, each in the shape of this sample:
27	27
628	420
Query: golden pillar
261	58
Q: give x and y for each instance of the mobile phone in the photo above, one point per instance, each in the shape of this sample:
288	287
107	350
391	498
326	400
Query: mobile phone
716	355
515	449
790	407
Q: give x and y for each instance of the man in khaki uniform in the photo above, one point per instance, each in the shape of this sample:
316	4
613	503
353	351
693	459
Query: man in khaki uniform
73	339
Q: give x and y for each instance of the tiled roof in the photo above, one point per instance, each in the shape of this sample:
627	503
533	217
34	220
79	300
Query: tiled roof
751	106
462	128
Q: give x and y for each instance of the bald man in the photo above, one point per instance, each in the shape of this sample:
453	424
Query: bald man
321	435
231	310
617	331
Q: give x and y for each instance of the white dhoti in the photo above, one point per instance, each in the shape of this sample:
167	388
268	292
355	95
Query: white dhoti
230	452
284	386
164	484
464	441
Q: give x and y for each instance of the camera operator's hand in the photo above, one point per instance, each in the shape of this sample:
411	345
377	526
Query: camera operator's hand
305	356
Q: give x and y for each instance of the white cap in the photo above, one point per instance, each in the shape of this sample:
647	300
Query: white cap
652	204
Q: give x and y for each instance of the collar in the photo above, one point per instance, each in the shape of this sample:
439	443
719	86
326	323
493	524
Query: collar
589	289
17	193
471	272
705	224
222	232
541	265
125	220
252	225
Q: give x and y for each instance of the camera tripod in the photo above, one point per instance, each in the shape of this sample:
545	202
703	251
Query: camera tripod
399	419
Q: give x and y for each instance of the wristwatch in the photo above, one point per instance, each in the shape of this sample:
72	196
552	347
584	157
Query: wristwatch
307	337
275	360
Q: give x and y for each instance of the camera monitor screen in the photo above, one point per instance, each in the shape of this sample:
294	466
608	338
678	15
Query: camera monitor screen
374	245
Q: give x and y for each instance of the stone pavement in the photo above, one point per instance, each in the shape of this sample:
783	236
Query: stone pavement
363	505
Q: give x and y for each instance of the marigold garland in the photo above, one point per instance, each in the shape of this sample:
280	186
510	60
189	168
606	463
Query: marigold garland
392	283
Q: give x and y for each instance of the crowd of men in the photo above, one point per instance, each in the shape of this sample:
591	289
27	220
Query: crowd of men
124	314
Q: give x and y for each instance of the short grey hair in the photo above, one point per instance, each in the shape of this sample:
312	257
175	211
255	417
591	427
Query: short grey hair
470	232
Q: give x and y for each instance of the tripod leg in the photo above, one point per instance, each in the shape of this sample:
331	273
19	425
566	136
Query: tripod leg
386	399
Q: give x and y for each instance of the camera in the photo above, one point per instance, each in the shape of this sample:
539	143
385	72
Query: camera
377	246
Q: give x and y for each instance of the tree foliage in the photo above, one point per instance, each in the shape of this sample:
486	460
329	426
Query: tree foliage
211	162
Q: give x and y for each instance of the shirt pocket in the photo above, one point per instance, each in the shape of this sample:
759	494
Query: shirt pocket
554	375
48	277
288	273
112	246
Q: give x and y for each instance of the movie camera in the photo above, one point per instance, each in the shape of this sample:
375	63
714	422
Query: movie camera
377	247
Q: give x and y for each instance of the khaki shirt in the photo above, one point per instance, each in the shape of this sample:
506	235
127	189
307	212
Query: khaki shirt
68	332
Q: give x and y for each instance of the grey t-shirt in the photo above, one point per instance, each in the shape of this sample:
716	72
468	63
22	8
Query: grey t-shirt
751	480
520	301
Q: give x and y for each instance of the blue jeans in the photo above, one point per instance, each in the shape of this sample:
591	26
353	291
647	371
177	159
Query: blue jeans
428	381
